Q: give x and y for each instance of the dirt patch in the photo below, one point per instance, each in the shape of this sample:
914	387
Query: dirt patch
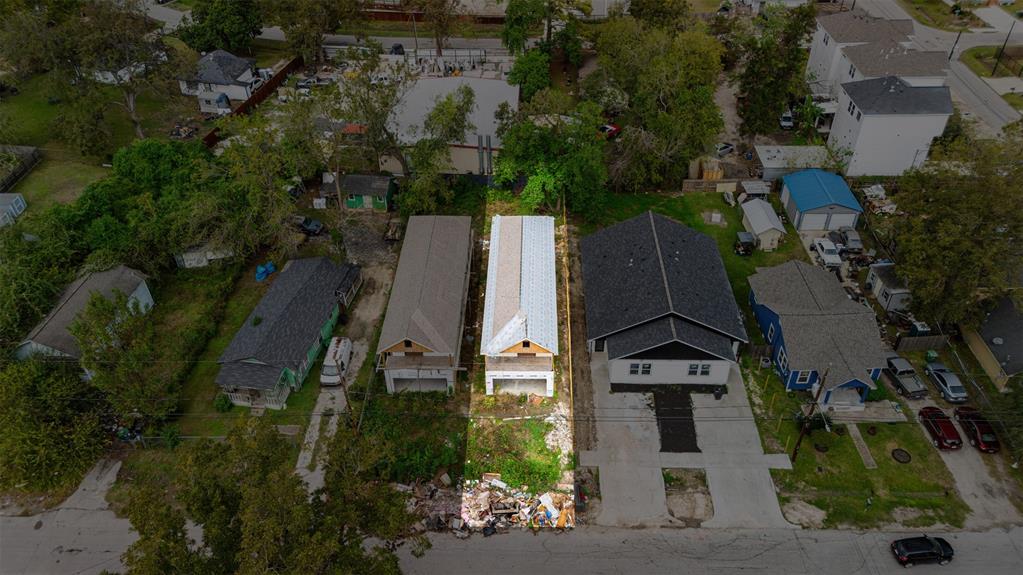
585	426
802	513
714	218
363	232
687	496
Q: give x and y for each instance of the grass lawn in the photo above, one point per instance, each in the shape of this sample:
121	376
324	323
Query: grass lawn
269	52
55	181
917	494
981	60
1014	7
938	14
688	209
516	449
405	29
1014	100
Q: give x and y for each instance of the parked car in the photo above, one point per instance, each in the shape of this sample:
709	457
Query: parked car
947	382
397	49
943	431
610	131
311	227
904	378
847	240
978	431
335	363
787	120
828	252
723	149
923	549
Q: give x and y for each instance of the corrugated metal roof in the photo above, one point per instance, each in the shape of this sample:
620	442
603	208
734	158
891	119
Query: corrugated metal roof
521	294
812	189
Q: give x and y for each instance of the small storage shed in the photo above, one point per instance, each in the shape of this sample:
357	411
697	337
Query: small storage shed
368	191
890	291
816	200
11	206
759	219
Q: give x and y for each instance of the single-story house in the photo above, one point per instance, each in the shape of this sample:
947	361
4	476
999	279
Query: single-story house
201	256
473	155
998	343
368	191
51	336
276	347
659	304
11	206
421	338
816	200
759	219
889	289
520	308
778	161
219	78
813	328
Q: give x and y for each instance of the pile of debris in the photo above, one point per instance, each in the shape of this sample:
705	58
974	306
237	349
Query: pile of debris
878	201
488	506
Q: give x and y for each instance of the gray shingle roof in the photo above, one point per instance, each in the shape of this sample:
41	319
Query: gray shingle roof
888	276
1005	322
648	266
52	331
428	294
291	313
821	326
891	95
664	330
221	67
761	216
888	58
366	185
857	26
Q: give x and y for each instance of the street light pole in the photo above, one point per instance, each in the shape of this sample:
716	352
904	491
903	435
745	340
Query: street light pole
1002	51
954	44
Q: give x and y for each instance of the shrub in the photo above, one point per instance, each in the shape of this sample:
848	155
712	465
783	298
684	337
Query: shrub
222	403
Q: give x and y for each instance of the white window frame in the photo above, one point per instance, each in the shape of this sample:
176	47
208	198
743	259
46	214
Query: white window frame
802	377
704	369
645	369
633	369
694	369
783	360
770	333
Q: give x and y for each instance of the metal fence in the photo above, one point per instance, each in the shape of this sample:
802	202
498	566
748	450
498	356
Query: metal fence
920	342
28	157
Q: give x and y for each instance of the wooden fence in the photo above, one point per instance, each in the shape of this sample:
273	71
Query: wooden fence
28	157
265	91
689	186
920	342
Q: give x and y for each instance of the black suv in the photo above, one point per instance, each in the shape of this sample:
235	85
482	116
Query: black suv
922	549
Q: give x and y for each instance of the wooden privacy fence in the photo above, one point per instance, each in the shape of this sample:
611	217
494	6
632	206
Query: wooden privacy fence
920	342
689	186
269	87
27	156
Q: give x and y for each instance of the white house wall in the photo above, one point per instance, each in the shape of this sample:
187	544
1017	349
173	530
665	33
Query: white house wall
884	145
822	68
663	371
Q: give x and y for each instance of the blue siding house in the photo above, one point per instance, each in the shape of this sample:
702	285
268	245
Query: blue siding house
813	327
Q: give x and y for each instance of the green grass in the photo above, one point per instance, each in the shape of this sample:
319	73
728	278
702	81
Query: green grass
937	14
917	494
688	209
143	466
1014	7
1014	100
981	60
55	181
705	6
269	52
516	449
405	29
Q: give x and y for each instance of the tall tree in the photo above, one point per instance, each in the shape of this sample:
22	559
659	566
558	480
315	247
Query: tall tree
52	422
118	348
671	14
531	72
772	66
306	21
959	241
443	16
222	24
520	17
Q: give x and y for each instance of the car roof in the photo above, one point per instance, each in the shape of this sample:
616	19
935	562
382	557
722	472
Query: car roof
900	363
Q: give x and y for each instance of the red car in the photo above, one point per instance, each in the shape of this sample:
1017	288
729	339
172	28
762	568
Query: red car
943	431
978	431
610	131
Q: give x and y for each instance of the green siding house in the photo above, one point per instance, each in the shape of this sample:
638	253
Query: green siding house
280	341
368	191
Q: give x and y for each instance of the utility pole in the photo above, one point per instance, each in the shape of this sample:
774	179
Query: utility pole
1002	51
806	422
954	44
415	33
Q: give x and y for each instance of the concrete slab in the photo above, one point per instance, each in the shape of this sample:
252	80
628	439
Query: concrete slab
744	497
861	446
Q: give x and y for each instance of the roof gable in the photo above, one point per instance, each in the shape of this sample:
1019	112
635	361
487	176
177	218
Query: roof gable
815	188
221	67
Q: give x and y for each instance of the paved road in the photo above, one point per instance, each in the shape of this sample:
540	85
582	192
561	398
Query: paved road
673	551
977	99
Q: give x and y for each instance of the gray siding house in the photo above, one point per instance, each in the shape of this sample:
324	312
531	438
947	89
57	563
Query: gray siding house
51	337
421	338
659	304
272	353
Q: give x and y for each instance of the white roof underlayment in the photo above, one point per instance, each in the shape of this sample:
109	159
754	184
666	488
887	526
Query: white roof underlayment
521	297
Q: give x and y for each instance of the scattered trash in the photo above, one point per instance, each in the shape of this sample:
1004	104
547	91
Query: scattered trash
264	271
446	480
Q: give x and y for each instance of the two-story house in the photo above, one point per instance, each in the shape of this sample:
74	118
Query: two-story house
219	78
834	33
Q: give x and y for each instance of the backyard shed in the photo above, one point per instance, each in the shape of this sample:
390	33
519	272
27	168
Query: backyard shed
759	219
368	191
816	200
11	206
891	292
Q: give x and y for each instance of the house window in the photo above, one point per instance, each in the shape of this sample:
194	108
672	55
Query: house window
694	368
705	369
825	39
645	370
886	296
852	70
783	360
850	108
803	377
770	333
525	345
633	369
858	116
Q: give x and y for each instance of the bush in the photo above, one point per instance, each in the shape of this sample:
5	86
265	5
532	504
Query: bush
222	403
171	436
880	393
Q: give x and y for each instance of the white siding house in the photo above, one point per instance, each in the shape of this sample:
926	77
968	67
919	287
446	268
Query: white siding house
825	70
885	126
221	77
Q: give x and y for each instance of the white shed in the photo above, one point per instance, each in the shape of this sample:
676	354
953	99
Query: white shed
891	292
759	219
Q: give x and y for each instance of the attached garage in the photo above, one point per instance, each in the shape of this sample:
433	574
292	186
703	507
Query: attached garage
816	200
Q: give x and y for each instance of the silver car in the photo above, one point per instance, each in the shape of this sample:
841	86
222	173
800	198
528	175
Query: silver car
947	382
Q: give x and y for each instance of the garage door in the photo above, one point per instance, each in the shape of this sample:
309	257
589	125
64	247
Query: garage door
841	221
813	222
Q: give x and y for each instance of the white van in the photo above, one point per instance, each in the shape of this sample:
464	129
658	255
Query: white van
335	364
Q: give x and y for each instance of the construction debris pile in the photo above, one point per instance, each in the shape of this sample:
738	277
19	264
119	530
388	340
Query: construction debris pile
489	506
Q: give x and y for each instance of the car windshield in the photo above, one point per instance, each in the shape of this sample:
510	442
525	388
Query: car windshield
988	437
957	389
329	370
830	251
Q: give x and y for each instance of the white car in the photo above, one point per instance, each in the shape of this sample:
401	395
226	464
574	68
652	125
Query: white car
827	251
787	122
335	364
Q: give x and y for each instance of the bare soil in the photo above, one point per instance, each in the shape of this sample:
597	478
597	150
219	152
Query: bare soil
582	408
802	513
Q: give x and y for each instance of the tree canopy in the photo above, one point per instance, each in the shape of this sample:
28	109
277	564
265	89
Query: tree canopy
222	24
521	16
531	72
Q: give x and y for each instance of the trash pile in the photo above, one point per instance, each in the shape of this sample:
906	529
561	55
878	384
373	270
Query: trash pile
488	506
878	201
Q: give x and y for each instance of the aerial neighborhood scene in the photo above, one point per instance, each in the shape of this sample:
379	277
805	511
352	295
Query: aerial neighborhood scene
470	286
